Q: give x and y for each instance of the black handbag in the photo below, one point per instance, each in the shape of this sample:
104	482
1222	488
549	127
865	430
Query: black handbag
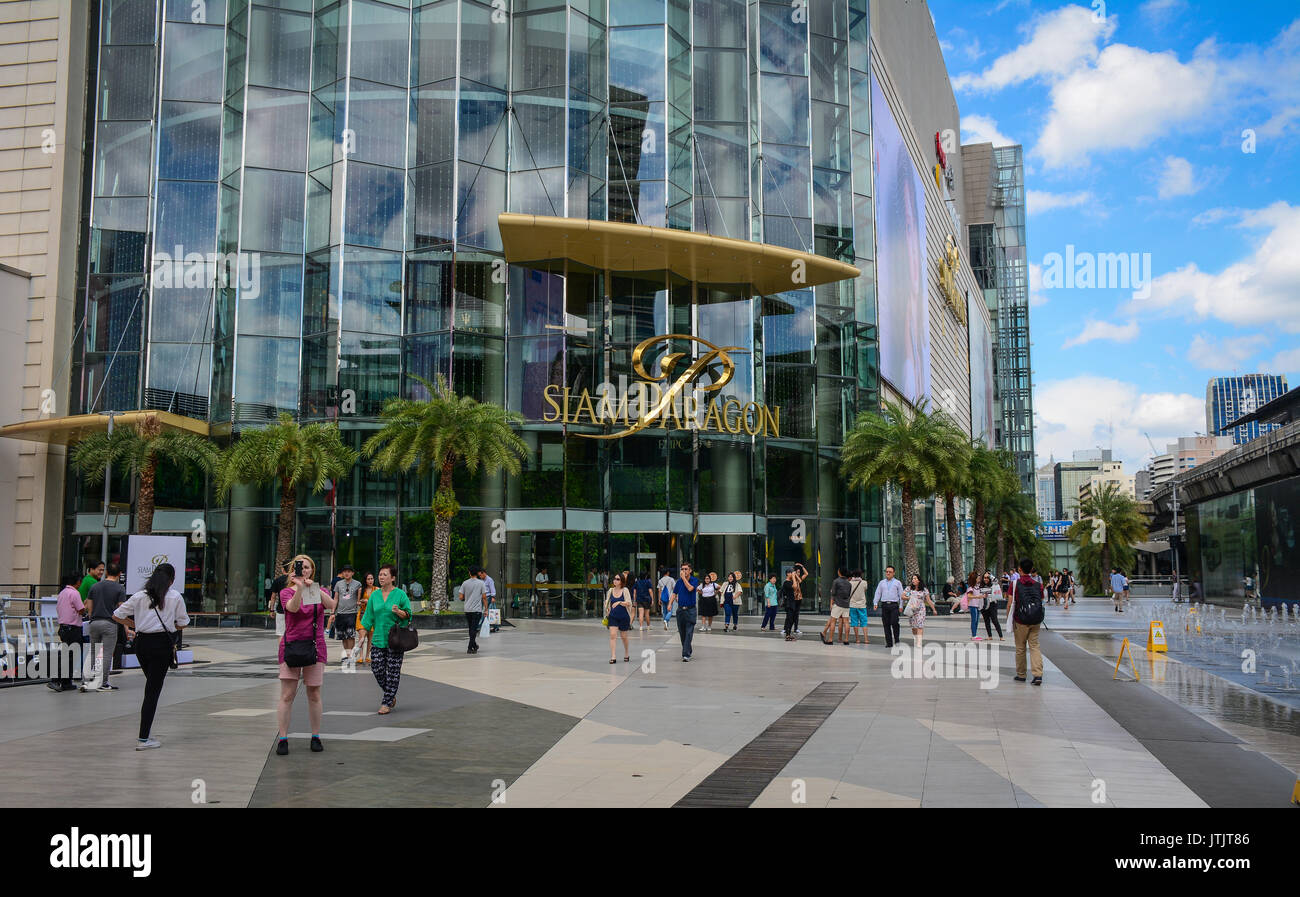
302	652
403	638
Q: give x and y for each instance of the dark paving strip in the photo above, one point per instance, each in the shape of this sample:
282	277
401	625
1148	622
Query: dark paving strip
741	779
1205	758
473	741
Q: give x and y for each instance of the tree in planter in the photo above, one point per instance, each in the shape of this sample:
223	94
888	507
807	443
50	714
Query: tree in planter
138	451
289	455
435	435
991	478
910	448
1124	528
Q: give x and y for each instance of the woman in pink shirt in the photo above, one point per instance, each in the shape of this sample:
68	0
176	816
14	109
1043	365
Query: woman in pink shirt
70	610
306	603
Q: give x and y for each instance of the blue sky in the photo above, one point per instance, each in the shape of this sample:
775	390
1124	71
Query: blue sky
1137	120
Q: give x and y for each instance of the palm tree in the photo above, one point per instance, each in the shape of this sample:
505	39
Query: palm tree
1123	525
1012	519
910	448
137	451
992	478
289	455
437	435
954	480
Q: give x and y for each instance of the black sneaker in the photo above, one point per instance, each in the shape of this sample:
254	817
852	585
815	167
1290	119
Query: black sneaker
1038	680
282	747
1020	678
316	746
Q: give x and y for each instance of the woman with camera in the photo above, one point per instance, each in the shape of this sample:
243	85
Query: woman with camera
302	650
152	617
388	607
792	594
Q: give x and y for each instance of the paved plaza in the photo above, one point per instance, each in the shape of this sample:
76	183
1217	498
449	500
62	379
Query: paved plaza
540	718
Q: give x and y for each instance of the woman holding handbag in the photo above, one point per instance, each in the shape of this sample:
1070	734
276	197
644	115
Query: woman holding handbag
157	612
992	595
916	597
732	596
388	607
618	605
303	653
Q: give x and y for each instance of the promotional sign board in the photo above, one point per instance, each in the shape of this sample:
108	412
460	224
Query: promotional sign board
143	553
1053	529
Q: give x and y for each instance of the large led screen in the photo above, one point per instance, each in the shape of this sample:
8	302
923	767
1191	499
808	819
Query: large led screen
981	373
904	309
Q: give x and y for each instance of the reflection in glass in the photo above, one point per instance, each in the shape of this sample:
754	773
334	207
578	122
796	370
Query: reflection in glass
190	145
193	65
428	294
370	365
126	80
122	158
276	309
110	320
187	216
276	129
266	375
372	291
279	48
374	206
784	108
637	64
272	211
378	42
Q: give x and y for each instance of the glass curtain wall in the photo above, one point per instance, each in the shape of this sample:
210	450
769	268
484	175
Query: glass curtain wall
355	154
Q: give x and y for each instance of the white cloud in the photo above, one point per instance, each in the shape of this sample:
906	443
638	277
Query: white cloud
1161	11
1112	104
1057	43
1103	330
1285	362
983	129
1177	179
1087	411
1036	296
1224	355
1038	201
1258	290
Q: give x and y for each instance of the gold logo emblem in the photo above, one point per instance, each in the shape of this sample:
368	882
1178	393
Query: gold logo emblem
159	559
669	396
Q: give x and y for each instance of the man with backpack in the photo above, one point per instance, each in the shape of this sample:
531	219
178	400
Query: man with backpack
1026	613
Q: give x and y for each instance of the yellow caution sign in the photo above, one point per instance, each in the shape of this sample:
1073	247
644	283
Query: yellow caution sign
1125	646
1156	637
1295	793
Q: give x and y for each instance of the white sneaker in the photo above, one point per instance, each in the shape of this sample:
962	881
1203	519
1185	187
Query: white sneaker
147	744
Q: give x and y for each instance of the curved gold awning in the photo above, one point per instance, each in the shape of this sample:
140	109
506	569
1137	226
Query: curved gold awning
67	430
702	258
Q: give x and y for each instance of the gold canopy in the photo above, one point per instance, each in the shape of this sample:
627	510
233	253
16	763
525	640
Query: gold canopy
702	258
67	430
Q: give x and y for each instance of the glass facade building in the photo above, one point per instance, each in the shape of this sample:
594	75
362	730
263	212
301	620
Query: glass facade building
293	207
1228	398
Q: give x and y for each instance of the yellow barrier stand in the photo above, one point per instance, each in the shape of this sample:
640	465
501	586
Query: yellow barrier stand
1295	793
1125	646
1156	637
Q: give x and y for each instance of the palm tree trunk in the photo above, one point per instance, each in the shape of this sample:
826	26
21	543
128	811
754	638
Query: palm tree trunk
1002	547
981	550
910	563
956	568
284	537
441	547
145	498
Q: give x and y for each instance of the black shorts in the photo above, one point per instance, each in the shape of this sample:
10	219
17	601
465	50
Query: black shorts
345	626
643	602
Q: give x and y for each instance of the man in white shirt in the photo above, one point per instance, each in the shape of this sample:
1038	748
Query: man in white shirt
665	582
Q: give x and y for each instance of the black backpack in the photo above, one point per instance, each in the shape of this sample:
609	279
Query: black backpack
1029	602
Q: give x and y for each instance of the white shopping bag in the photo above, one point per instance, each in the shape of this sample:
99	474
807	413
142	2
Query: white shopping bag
494	616
484	628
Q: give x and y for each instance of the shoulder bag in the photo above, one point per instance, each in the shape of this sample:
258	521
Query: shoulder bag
403	638
175	663
302	652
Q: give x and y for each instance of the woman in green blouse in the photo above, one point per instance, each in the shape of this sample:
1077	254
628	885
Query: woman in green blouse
388	606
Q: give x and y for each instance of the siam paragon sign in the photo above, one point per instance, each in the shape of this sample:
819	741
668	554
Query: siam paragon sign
670	400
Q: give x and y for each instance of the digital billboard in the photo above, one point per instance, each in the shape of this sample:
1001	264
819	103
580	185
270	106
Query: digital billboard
903	306
981	373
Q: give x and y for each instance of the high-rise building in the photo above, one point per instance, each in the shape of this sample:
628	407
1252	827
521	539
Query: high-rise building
1186	453
300	208
1228	398
1045	491
1069	476
995	209
1142	483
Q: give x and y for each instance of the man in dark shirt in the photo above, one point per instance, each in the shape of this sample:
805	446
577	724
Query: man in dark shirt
105	596
685	592
840	592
